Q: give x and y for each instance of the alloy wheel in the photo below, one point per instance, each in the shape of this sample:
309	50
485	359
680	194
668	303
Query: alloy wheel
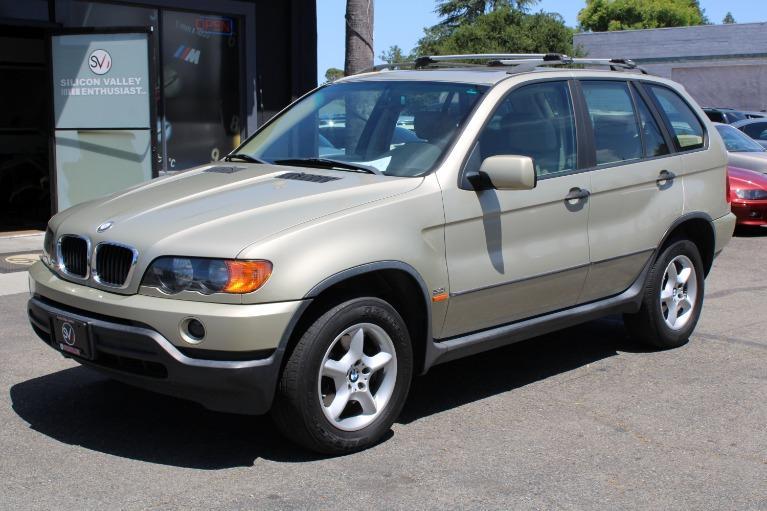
679	292
357	376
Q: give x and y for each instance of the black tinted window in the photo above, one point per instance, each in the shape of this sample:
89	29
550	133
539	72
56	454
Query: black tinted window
755	130
616	133
715	116
654	143
684	124
537	121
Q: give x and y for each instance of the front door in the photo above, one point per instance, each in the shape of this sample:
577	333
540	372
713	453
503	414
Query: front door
102	102
516	254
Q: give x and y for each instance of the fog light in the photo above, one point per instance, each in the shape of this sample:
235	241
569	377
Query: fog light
192	330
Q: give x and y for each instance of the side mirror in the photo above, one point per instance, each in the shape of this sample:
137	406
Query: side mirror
510	172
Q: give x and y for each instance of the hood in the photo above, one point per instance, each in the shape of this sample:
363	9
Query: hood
746	179
750	161
216	210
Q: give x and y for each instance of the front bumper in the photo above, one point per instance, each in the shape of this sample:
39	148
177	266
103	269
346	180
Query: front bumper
140	356
752	213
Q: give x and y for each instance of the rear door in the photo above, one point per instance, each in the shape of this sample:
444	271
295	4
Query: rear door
635	193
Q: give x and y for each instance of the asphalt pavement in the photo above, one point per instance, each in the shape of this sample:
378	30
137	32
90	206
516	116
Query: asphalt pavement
581	419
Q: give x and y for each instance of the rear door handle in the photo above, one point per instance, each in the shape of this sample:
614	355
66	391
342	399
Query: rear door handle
577	194
665	177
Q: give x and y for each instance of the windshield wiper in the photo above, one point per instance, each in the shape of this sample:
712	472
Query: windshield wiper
327	163
242	157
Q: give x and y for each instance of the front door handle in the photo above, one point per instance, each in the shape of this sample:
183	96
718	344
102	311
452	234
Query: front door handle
577	194
665	177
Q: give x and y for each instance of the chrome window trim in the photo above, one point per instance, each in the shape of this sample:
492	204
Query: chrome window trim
93	264
59	263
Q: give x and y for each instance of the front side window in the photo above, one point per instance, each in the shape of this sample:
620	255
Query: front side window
611	111
684	124
536	121
397	128
737	142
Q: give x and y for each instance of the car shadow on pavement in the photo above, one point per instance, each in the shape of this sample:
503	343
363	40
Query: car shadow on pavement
502	370
80	407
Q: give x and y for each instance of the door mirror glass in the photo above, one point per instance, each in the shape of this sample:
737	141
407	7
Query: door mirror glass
509	172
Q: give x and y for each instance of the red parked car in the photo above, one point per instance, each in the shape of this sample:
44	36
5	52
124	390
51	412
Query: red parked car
748	194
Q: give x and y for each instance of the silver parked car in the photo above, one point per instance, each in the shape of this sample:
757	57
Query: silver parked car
530	199
755	128
742	151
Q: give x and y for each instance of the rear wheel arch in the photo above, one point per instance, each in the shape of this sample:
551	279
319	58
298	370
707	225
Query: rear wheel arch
395	282
697	227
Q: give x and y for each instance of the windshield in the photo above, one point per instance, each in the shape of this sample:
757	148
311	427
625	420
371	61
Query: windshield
396	127
738	142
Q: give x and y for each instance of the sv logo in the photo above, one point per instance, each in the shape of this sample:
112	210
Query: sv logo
100	62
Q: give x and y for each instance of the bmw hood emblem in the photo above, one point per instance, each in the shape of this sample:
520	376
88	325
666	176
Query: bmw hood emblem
105	226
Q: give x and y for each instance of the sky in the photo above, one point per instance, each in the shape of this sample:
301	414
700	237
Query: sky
401	22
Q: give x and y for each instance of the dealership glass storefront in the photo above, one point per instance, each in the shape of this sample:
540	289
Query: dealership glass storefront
202	95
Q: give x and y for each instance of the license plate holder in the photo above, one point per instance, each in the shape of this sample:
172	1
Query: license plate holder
72	337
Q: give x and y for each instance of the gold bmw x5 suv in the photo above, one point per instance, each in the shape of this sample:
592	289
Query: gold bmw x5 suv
388	222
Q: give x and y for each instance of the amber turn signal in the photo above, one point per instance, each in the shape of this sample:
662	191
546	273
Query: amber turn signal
247	276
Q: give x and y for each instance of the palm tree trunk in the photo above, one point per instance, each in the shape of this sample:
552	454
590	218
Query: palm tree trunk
359	36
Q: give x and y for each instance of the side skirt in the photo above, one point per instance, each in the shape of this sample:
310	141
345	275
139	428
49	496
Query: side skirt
440	351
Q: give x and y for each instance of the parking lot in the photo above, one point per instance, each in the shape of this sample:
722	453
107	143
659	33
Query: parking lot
578	419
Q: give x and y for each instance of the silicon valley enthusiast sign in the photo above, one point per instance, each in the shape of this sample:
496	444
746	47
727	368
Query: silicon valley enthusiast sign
101	81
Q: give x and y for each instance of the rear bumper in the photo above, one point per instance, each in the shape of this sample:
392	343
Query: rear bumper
723	229
140	356
750	213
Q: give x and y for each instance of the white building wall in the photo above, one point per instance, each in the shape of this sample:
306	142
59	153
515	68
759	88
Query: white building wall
720	65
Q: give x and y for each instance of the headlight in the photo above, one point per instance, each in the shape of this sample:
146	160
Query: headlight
172	275
751	194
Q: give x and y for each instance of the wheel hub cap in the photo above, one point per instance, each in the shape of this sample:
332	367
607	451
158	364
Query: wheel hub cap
357	376
679	292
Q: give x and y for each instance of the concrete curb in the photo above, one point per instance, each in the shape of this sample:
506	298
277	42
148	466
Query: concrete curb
14	283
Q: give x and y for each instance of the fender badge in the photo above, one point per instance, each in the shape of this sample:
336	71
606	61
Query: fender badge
105	226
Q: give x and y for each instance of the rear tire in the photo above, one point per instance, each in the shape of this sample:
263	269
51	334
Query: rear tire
347	379
673	298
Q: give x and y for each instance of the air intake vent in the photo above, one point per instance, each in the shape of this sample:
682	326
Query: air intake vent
224	170
113	264
73	256
301	176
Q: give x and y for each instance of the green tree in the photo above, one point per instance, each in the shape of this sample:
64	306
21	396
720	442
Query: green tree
503	30
728	19
456	12
394	55
604	15
333	73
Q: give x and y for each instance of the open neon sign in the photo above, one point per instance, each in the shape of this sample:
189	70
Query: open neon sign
214	25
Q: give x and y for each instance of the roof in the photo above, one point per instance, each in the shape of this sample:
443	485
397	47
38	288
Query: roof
479	75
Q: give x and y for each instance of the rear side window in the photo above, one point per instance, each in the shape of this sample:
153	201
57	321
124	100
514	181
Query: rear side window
684	124
616	133
654	143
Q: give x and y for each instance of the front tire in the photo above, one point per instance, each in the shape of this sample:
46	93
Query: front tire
673	298
347	379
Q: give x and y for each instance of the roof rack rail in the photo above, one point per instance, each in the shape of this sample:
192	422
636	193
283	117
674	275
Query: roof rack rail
520	62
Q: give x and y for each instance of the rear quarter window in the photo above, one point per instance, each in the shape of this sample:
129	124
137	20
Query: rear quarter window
684	125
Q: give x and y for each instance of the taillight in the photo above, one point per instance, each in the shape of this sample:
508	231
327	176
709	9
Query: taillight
728	190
